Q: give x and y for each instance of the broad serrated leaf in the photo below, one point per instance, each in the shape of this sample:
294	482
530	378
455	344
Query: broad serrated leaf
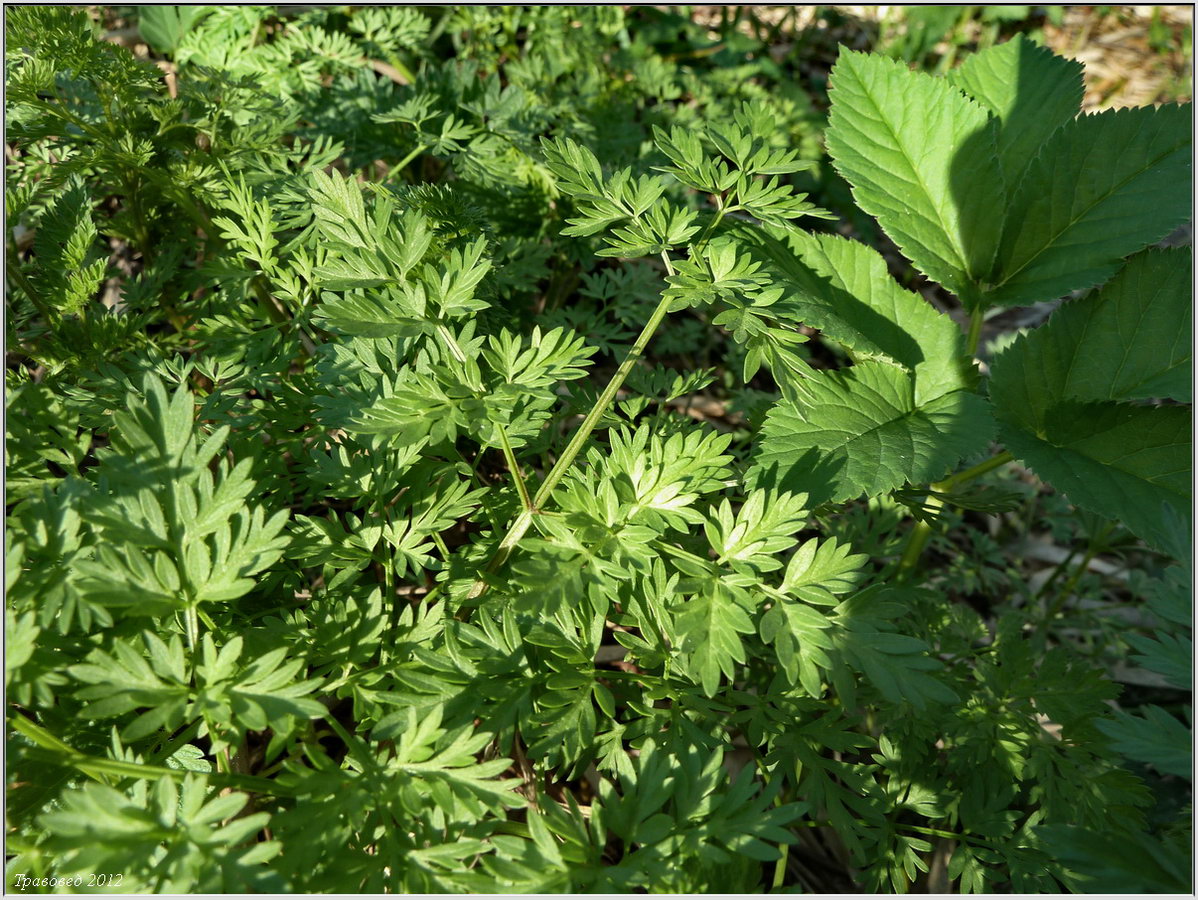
922	158
1054	391
1124	462
1031	90
859	431
843	288
1103	187
1131	340
164	26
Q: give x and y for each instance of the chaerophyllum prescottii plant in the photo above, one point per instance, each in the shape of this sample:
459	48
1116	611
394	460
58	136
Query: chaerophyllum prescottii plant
366	531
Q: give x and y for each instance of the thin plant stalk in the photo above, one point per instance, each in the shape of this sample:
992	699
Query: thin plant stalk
523	521
922	530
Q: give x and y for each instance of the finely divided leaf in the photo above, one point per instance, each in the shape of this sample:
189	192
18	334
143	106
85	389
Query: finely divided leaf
711	623
373	315
896	664
1154	737
921	157
819	569
801	639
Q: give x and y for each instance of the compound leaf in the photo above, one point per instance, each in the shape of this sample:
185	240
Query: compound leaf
1153	737
1031	90
1054	391
711	623
843	288
860	430
921	157
1103	186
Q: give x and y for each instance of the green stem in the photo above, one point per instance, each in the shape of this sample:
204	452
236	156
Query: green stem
521	488
192	623
976	318
1091	551
389	599
455	349
923	530
355	747
780	865
172	747
917	541
98	767
1058	570
22	281
420	148
721	211
277	313
999	459
952	836
61	111
641	677
605	399
441	546
133	196
783	847
459	354
398	65
521	525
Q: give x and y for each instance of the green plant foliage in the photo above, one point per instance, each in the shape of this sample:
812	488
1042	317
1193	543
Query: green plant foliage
1062	391
922	159
450	451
